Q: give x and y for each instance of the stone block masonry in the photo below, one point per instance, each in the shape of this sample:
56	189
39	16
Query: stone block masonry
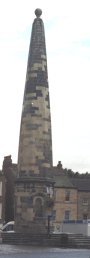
34	185
35	144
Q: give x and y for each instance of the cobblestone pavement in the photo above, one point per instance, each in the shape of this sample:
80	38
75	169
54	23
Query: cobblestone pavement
13	251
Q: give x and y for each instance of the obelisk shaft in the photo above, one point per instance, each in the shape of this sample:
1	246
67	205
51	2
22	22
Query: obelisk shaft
35	143
34	185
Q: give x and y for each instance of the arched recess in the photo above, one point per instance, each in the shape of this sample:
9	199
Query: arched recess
38	207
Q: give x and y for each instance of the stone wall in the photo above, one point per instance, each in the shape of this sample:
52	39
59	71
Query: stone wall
61	204
83	205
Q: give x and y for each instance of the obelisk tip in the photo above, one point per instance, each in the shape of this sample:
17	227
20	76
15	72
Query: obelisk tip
38	12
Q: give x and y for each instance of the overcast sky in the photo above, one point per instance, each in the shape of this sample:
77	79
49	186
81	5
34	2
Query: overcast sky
67	30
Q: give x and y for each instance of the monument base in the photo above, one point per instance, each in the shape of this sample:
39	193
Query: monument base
33	228
33	204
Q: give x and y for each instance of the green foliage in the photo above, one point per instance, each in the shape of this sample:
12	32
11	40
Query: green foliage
73	174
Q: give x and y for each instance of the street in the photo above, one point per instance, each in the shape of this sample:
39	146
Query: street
37	252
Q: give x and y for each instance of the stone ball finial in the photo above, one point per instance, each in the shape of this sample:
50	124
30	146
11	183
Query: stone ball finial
38	12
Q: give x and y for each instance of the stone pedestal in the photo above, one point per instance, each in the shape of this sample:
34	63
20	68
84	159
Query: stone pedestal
34	199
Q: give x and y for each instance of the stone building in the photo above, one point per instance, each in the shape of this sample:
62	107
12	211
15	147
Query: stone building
2	198
65	199
9	171
83	201
70	199
34	185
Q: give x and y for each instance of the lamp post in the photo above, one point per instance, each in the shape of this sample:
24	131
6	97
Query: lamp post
48	229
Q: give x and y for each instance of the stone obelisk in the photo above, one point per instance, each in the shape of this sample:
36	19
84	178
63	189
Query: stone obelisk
34	186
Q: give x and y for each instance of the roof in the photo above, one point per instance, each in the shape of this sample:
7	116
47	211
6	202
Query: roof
81	184
63	182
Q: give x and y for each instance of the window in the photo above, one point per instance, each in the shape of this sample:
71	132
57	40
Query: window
8	228
67	215
67	195
85	201
85	216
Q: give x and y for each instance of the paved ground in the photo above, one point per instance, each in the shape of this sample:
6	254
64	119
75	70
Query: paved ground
13	251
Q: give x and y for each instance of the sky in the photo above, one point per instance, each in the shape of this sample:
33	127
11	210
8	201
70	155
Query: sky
67	31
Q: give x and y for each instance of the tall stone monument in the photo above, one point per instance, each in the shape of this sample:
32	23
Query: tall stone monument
34	184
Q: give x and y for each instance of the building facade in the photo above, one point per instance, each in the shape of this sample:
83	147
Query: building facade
9	172
83	200
65	199
2	198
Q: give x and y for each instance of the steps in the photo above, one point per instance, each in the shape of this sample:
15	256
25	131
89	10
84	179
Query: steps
53	240
78	241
